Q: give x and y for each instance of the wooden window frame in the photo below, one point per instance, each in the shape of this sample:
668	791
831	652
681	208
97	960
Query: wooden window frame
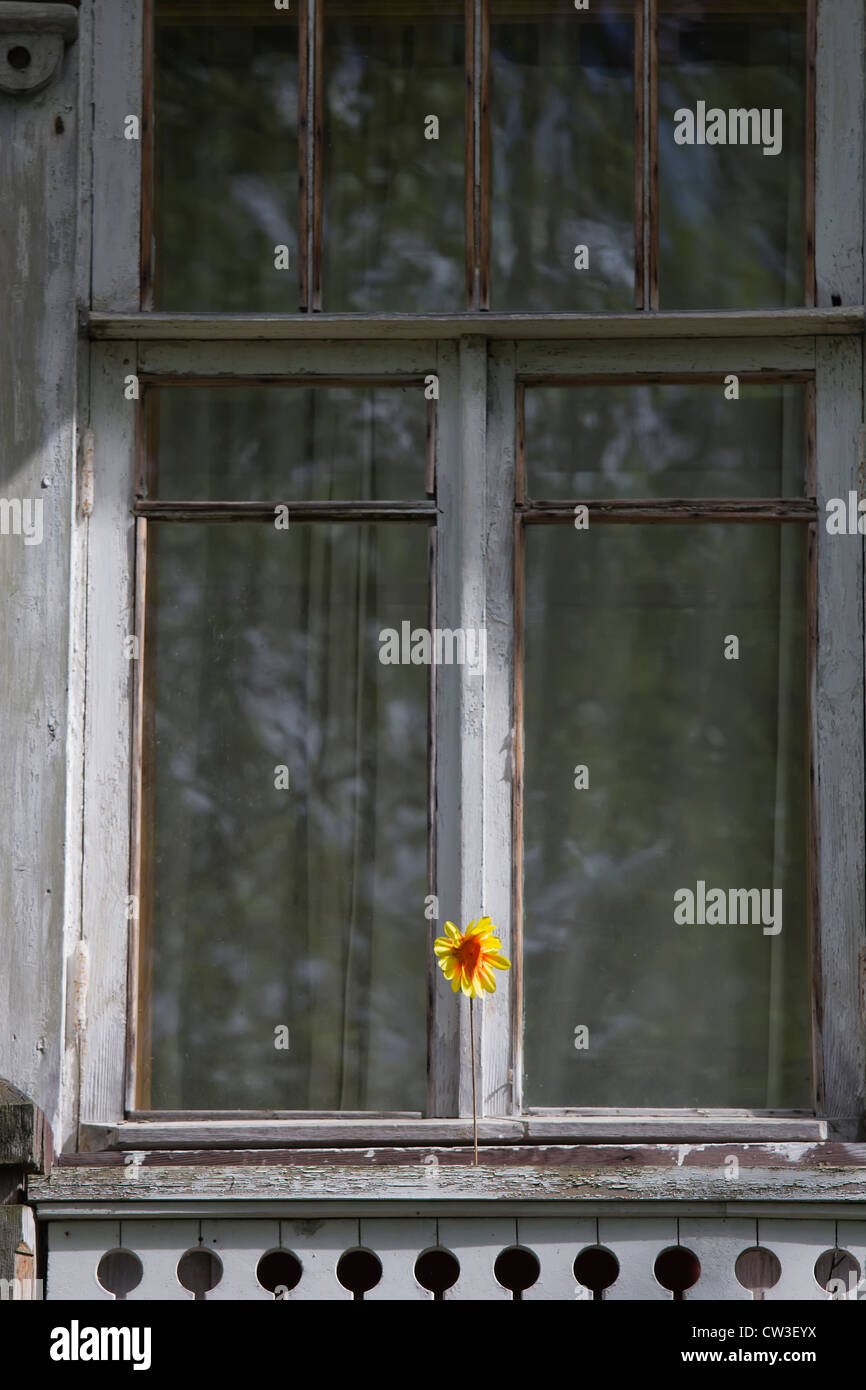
479	358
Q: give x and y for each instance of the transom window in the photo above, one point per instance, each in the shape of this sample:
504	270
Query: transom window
428	157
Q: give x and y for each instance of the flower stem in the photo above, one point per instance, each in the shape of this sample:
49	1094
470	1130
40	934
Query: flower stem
474	1099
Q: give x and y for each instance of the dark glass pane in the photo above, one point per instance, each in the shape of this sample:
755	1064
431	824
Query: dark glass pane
648	441
698	772
732	217
394	233
286	908
226	157
289	443
562	149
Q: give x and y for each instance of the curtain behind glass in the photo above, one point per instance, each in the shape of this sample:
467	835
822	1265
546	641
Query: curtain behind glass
698	766
287	907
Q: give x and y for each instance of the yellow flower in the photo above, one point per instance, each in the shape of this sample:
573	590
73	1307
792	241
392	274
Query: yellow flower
466	959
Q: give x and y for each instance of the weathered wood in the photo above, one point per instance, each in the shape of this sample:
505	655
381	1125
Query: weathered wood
635	1243
746	357
89	1191
17	16
839	153
25	1136
466	523
298	511
245	381
811	296
813	852
140	864
755	509
315	13
239	1245
652	176
805	1155
296	361
18	1251
745	323
517	713
712	1241
475	1243
228	1134
640	154
148	190
111	671
116	188
397	1245
839	745
305	155
497	1050
555	1249
39	139
482	127
225	1134
796	1245
435	1061
469	171
443	1032
430	453
768	376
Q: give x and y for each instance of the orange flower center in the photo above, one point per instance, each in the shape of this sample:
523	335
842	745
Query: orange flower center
469	953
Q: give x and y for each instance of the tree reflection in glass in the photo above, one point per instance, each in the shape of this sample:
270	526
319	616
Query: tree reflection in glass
732	219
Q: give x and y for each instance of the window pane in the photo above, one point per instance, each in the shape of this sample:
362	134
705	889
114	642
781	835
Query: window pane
289	443
226	157
562	148
286	907
732	215
670	440
394	232
698	773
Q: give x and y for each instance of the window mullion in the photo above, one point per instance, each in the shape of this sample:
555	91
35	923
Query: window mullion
839	940
500	1088
460	703
316	172
651	155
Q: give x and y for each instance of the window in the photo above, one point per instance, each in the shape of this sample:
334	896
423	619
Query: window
276	898
430	389
665	663
428	157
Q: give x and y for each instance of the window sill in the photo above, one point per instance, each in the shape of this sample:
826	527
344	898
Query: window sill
670	1126
745	323
797	1179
